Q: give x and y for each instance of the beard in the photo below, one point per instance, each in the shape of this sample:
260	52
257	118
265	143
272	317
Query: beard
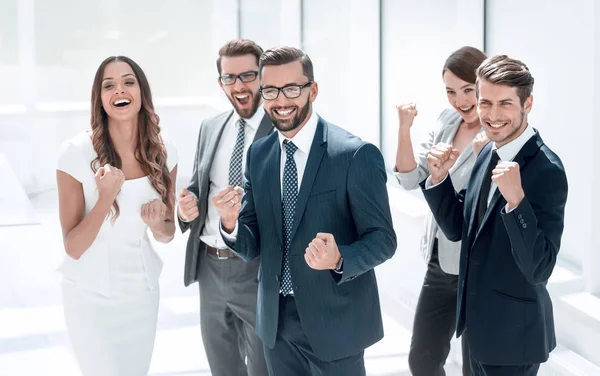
245	113
288	125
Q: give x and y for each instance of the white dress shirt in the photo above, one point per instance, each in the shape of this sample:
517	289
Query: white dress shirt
219	171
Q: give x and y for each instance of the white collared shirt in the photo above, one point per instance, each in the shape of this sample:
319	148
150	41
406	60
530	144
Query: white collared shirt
219	171
303	141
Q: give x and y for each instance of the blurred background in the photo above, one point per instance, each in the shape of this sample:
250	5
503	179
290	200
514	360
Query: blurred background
368	56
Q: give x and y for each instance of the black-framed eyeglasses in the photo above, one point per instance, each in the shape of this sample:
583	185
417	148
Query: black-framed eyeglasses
229	79
290	91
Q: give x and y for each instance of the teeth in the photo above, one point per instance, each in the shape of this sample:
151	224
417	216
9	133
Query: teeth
284	113
497	125
121	101
241	96
465	109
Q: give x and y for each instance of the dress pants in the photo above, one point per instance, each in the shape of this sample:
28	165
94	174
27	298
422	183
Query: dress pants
228	290
293	356
435	322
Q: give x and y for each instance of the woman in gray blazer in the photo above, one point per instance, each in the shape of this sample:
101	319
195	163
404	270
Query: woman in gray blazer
435	317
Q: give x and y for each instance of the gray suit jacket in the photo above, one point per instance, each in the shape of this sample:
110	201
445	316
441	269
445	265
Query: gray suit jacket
444	131
209	137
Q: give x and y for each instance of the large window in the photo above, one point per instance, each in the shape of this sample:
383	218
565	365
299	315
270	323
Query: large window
11	92
342	39
416	44
171	45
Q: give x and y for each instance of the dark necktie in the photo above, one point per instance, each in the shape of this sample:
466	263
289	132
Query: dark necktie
235	164
289	198
485	188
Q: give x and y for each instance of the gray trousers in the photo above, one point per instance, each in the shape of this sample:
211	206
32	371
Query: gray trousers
228	290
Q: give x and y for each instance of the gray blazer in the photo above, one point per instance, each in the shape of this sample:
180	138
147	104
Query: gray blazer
209	137
444	131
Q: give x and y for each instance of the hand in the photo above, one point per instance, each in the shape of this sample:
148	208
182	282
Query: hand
154	213
507	175
440	160
407	112
322	253
228	203
479	142
187	206
109	180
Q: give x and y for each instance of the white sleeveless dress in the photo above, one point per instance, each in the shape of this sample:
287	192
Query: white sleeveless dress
111	294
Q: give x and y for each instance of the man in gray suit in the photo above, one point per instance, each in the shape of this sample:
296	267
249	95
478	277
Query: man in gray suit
228	285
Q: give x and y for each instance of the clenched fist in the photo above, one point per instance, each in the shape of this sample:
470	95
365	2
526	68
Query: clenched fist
322	253
440	160
154	213
407	112
479	142
109	180
228	203
187	206
507	175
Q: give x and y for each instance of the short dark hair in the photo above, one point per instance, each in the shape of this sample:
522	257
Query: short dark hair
284	55
464	62
239	47
502	70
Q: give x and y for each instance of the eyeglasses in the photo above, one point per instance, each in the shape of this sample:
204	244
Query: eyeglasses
229	79
290	91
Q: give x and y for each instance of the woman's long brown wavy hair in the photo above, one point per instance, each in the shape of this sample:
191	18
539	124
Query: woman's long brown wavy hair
150	150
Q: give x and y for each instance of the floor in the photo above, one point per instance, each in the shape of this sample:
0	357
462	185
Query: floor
33	340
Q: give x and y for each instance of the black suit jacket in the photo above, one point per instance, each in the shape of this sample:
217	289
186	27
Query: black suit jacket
505	264
342	192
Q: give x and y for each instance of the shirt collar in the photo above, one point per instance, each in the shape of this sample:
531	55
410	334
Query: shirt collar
509	151
304	138
254	121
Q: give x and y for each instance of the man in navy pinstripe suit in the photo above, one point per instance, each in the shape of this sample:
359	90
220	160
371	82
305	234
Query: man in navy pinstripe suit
315	208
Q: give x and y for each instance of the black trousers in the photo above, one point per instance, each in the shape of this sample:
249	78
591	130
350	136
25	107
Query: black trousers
435	323
292	355
480	369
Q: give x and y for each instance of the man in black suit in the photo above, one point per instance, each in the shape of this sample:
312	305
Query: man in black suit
315	208
510	218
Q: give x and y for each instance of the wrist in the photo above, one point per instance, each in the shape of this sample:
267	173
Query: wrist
228	225
404	130
338	262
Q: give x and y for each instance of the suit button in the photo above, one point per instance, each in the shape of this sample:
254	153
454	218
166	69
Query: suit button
520	216
522	221
524	225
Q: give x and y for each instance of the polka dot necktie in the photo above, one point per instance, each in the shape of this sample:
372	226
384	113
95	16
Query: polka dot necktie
289	198
235	164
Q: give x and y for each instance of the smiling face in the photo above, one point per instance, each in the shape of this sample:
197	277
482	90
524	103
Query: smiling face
501	113
120	92
288	114
244	96
461	96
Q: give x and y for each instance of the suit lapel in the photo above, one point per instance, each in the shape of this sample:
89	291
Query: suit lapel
317	150
265	127
522	158
212	142
274	184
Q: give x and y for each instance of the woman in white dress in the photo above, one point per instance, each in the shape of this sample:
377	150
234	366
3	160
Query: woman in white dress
114	182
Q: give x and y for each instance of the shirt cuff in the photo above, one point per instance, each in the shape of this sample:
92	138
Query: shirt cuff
428	182
229	237
508	211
